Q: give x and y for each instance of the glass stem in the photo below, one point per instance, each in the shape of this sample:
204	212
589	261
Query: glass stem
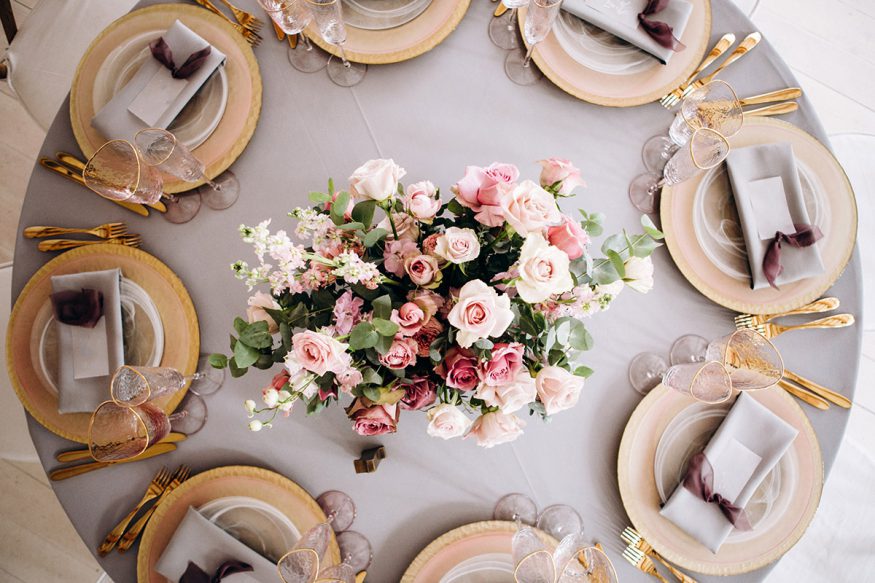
214	185
177	416
528	58
306	42
656	187
343	56
511	20
171	197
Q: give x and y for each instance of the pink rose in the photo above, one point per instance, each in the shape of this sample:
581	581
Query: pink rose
421	201
429	301
511	396
279	380
376	180
429	244
459	369
544	270
530	209
506	361
496	428
396	252
319	353
256	313
446	421
347	312
482	189
401	354
555	170
419	394
409	318
458	245
426	335
405	225
423	270
479	312
558	389
570	237
373	419
349	379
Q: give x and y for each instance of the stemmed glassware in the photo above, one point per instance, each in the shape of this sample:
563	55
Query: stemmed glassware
293	16
573	560
117	171
119	432
329	19
706	149
688	348
540	17
502	30
339	508
558	520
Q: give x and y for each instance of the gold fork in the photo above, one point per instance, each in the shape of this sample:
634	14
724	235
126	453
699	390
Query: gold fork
251	37
671	98
770	330
128	539
631	537
244	18
642	562
815	307
64	244
156	486
105	231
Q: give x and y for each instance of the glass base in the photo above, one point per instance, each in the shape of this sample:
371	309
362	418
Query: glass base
209	379
183	207
656	153
688	348
513	507
307	61
644	192
345	75
560	520
339	508
195	417
503	31
355	550
225	196
646	371
520	73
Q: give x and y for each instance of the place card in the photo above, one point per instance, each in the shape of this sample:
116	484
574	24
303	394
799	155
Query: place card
734	466
768	201
157	96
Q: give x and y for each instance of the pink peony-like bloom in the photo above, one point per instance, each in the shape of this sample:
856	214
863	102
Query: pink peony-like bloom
479	312
555	170
570	237
370	419
446	421
426	335
376	180
419	394
429	301
405	225
506	361
348	379
347	312
421	201
558	389
401	354
319	353
280	379
496	428
482	189
511	396
429	244
396	253
255	312
530	209
409	318
459	369
423	271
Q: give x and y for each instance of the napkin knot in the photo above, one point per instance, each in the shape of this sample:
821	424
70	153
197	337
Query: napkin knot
659	31
78	308
194	574
805	236
162	53
700	482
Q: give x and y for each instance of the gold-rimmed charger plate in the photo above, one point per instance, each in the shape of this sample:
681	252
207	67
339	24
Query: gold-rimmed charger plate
181	334
264	485
393	45
635	472
231	135
819	168
461	544
625	90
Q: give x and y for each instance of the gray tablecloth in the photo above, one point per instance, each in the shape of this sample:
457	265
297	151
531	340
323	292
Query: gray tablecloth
450	107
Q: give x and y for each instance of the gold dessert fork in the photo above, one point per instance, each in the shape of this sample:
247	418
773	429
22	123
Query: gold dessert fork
631	537
156	486
246	19
130	537
642	562
104	231
771	330
251	36
64	244
815	307
671	98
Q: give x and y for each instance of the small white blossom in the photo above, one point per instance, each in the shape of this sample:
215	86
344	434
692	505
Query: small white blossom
270	396
249	405
255	425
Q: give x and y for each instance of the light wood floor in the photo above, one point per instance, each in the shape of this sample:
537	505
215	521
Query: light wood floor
828	45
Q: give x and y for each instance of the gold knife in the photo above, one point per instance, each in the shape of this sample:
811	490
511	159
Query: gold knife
77	165
772	96
828	394
69	472
293	40
64	171
280	35
804	396
774	109
84	454
499	10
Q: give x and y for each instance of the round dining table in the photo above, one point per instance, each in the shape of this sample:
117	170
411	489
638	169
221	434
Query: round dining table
450	107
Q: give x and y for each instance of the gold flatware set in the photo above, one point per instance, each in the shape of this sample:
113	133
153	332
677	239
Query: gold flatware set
641	554
244	22
112	233
166	445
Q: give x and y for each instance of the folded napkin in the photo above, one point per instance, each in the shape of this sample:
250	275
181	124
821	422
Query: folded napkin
154	96
199	541
768	196
620	18
745	448
87	357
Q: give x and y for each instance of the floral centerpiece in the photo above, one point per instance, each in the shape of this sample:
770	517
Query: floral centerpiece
470	310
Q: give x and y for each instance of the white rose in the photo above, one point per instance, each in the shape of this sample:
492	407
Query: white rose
496	428
255	312
544	270
639	274
510	397
458	245
479	312
421	201
446	421
558	389
376	180
610	289
529	208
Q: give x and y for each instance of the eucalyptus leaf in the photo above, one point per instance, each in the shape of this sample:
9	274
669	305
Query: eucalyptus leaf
374	236
319	197
580	338
615	243
384	343
583	371
382	307
363	212
256	335
354	226
617	262
218	360
338	207
604	273
650	228
245	355
236	371
240	325
645	247
363	336
385	327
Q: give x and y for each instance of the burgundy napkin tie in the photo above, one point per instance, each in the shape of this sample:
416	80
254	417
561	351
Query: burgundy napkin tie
162	53
194	574
78	308
657	30
700	482
805	236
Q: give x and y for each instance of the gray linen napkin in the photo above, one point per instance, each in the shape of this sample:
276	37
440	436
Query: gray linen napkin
88	357
620	18
745	448
153	93
768	195
198	540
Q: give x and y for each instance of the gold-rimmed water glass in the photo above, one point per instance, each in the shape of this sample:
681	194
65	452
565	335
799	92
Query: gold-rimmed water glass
708	382
292	17
117	171
503	29
304	562
117	432
540	16
329	19
751	359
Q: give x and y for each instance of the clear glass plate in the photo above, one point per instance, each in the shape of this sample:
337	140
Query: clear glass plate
382	14
488	568
258	525
598	50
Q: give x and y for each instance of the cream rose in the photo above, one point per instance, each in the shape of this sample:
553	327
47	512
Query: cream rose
458	245
421	201
529	208
255	312
544	270
479	312
558	389
446	421
639	274
423	270
405	225
512	396
496	428
376	180
317	353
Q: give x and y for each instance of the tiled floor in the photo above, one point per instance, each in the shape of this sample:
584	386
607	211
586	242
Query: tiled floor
828	45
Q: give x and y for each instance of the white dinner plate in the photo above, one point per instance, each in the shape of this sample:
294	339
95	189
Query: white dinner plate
599	50
382	14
